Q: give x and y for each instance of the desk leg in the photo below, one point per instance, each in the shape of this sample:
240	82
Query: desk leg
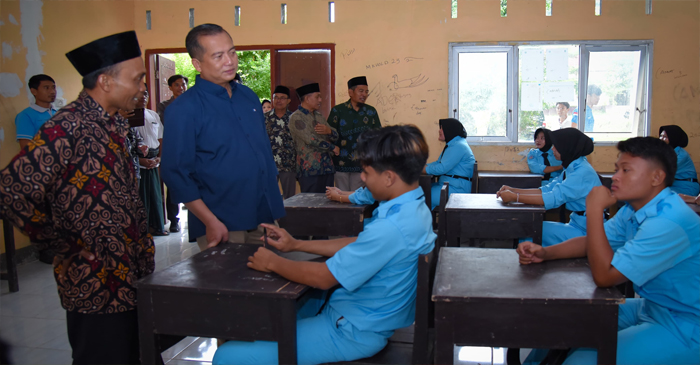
286	319
444	338
538	220
607	350
147	336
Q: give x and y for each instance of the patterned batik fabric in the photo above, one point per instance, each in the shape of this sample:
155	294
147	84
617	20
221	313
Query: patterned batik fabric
283	148
313	150
73	188
350	123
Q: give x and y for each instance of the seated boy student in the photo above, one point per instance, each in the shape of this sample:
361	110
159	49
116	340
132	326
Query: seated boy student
653	241
377	271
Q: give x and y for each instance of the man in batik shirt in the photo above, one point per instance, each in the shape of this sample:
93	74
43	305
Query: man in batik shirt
314	140
350	119
283	149
73	189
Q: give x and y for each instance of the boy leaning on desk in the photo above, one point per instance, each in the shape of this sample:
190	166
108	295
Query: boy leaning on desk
376	271
654	242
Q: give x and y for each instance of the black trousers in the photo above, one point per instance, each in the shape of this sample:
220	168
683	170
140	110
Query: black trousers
316	184
171	210
104	338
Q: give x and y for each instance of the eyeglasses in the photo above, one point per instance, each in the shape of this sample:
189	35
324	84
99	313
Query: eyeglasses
280	98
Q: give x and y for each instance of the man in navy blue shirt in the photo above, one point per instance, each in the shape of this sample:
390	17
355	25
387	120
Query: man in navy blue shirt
216	153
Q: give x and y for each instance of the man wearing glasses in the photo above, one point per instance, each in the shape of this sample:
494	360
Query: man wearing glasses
283	149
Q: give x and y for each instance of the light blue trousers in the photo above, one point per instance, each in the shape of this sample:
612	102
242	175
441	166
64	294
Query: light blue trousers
326	337
555	232
640	340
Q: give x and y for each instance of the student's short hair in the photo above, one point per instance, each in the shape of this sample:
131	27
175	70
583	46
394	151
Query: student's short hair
192	40
565	104
90	80
172	79
655	150
594	90
36	80
400	148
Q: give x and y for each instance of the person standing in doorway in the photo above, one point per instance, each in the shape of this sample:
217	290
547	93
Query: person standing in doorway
283	148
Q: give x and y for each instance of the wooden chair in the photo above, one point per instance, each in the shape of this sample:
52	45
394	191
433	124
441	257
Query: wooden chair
475	178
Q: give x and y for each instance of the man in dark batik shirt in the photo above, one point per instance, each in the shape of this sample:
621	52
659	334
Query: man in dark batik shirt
350	119
73	189
283	148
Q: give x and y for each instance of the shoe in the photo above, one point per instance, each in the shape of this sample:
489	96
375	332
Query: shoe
46	256
162	233
175	227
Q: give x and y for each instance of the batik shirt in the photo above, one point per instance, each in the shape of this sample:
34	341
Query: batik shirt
350	123
283	148
313	150
73	188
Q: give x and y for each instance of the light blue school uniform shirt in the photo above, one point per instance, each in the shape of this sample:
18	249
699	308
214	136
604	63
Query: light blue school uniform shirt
29	120
658	249
361	196
456	160
378	272
535	161
572	191
684	172
590	121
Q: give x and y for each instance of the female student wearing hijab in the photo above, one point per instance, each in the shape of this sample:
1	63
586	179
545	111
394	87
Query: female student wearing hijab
456	162
686	180
541	160
571	147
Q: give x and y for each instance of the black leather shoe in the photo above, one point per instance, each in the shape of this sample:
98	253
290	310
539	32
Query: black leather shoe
175	227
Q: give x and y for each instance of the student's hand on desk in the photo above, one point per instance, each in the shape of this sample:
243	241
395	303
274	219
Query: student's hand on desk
216	233
261	260
503	188
332	193
279	238
599	198
322	129
63	265
507	196
530	253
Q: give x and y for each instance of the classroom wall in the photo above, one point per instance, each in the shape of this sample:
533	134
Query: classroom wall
389	41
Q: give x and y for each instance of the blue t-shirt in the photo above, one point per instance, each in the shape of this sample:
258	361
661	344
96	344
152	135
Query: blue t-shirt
458	160
216	148
572	191
29	120
685	171
590	121
658	249
535	161
378	272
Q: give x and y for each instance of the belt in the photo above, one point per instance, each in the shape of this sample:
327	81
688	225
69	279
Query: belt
579	212
691	180
459	177
582	213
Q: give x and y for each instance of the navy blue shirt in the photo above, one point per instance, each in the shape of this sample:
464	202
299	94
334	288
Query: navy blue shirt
215	148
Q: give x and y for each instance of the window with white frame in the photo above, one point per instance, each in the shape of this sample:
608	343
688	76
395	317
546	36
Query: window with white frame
504	92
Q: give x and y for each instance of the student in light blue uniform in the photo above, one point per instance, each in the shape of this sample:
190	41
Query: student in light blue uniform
570	188
592	99
29	120
653	241
686	179
455	164
376	271
541	160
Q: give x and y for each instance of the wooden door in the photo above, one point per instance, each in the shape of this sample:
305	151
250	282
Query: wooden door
298	67
164	68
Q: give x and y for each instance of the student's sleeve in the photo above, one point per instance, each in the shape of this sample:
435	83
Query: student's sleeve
361	196
658	245
535	163
575	187
452	156
615	228
359	261
178	164
302	136
25	127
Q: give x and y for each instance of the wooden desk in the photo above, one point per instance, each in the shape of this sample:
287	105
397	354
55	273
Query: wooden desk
214	294
485	216
312	214
484	297
491	181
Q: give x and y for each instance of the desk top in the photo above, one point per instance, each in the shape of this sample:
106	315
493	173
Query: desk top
222	270
318	201
487	202
495	275
508	174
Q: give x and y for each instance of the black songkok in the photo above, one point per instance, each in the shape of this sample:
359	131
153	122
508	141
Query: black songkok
308	89
355	81
281	90
105	52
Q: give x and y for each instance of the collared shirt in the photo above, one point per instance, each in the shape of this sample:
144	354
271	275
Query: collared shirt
215	148
378	272
590	121
350	123
29	120
152	129
658	249
160	108
685	171
313	150
535	161
361	196
283	148
572	191
73	188
458	160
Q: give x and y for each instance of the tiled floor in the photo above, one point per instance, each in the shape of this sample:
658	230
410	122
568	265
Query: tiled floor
34	324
